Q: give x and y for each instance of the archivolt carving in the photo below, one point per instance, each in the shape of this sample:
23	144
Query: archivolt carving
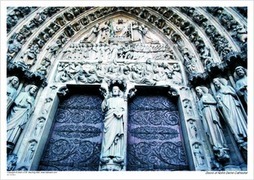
16	15
145	14
32	146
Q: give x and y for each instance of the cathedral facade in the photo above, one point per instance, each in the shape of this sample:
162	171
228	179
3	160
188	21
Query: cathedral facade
127	88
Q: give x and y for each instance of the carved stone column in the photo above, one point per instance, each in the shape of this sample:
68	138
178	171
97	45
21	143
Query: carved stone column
31	145
114	141
198	155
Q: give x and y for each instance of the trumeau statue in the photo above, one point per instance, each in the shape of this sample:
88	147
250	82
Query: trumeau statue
207	105
231	109
241	82
114	108
20	113
13	83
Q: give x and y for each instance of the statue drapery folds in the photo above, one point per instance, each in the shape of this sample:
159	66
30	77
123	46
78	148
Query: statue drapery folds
231	109
241	82
12	86
113	138
20	113
211	121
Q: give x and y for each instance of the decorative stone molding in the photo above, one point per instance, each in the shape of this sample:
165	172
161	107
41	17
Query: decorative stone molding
175	48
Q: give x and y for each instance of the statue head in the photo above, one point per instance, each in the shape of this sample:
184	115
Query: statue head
201	90
14	81
217	83
240	71
115	91
31	89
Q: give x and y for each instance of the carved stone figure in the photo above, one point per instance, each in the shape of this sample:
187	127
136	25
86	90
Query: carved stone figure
143	33
113	137
46	105
19	114
55	47
241	83
42	70
193	129
241	33
61	75
231	109
207	106
39	126
25	31
11	22
199	155
13	47
189	62
11	162
31	55
188	107
39	18
69	32
69	16
60	20
93	34
30	151
13	83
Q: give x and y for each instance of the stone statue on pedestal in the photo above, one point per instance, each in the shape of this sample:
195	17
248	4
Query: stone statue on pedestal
113	137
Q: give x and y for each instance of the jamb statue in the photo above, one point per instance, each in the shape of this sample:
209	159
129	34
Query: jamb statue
19	114
231	110
211	121
241	83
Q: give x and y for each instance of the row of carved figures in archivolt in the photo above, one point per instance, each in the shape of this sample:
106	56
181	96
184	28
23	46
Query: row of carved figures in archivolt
149	72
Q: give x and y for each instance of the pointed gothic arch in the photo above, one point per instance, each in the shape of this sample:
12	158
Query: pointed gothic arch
176	28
